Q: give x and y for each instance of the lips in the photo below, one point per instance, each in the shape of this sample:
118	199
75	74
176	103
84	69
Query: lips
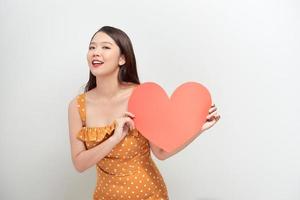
97	63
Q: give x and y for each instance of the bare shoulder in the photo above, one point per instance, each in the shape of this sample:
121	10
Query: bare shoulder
129	89
91	96
73	113
72	105
130	86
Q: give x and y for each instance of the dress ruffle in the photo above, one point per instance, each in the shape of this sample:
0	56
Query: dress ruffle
97	134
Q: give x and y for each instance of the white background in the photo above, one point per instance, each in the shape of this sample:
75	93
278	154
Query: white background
245	52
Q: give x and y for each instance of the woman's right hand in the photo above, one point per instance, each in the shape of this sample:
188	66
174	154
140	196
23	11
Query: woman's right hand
123	124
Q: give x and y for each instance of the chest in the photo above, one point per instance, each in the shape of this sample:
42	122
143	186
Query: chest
100	114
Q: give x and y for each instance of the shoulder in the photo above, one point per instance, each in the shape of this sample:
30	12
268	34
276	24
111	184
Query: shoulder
130	86
73	103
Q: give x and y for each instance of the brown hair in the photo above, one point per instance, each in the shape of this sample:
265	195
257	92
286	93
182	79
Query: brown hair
128	71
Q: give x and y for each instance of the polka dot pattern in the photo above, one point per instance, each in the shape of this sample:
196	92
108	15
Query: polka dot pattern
128	171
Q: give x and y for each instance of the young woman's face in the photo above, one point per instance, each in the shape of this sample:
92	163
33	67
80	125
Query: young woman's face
104	55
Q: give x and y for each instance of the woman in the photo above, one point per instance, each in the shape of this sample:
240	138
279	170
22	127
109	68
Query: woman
102	132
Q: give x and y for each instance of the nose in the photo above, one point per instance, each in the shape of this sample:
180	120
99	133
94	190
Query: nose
96	52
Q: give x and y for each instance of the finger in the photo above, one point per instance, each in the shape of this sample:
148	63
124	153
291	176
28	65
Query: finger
217	117
212	110
129	114
129	122
211	114
210	119
214	119
213	105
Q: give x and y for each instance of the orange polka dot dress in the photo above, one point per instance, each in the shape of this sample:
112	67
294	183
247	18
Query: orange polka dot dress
128	171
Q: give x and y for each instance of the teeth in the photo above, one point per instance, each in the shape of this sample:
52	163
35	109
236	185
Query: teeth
97	62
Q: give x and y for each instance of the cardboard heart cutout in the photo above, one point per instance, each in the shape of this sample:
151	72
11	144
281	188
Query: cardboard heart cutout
169	122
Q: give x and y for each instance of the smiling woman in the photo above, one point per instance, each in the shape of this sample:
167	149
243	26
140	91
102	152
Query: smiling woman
101	130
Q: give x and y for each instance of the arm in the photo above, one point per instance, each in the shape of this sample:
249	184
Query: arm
83	159
211	120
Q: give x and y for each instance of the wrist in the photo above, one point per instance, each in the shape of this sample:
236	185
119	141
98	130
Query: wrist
113	140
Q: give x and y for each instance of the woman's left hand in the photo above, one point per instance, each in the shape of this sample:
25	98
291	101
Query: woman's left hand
211	118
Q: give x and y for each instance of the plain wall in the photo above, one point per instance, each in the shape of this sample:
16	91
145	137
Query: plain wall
245	52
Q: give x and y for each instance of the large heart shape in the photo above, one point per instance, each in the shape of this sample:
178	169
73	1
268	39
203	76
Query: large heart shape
169	122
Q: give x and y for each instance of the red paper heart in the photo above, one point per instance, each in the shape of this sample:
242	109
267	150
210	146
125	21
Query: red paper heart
169	122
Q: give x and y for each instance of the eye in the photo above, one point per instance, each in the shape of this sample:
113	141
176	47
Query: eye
91	47
106	47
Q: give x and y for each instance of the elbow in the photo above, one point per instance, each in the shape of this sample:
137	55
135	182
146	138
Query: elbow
79	170
161	156
159	153
78	167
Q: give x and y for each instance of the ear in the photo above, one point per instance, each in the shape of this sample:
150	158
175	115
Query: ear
122	60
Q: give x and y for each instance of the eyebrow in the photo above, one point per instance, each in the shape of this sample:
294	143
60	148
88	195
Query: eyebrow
101	42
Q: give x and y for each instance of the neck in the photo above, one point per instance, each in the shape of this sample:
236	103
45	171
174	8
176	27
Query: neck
108	86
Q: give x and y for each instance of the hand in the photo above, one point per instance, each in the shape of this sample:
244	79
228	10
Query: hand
211	118
123	124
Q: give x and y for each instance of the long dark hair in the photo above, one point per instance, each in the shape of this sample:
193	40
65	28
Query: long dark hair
128	71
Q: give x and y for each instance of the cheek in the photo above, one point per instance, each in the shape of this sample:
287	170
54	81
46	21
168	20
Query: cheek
112	57
88	55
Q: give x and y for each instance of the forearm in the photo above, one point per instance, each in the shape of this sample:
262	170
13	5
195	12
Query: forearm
89	158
